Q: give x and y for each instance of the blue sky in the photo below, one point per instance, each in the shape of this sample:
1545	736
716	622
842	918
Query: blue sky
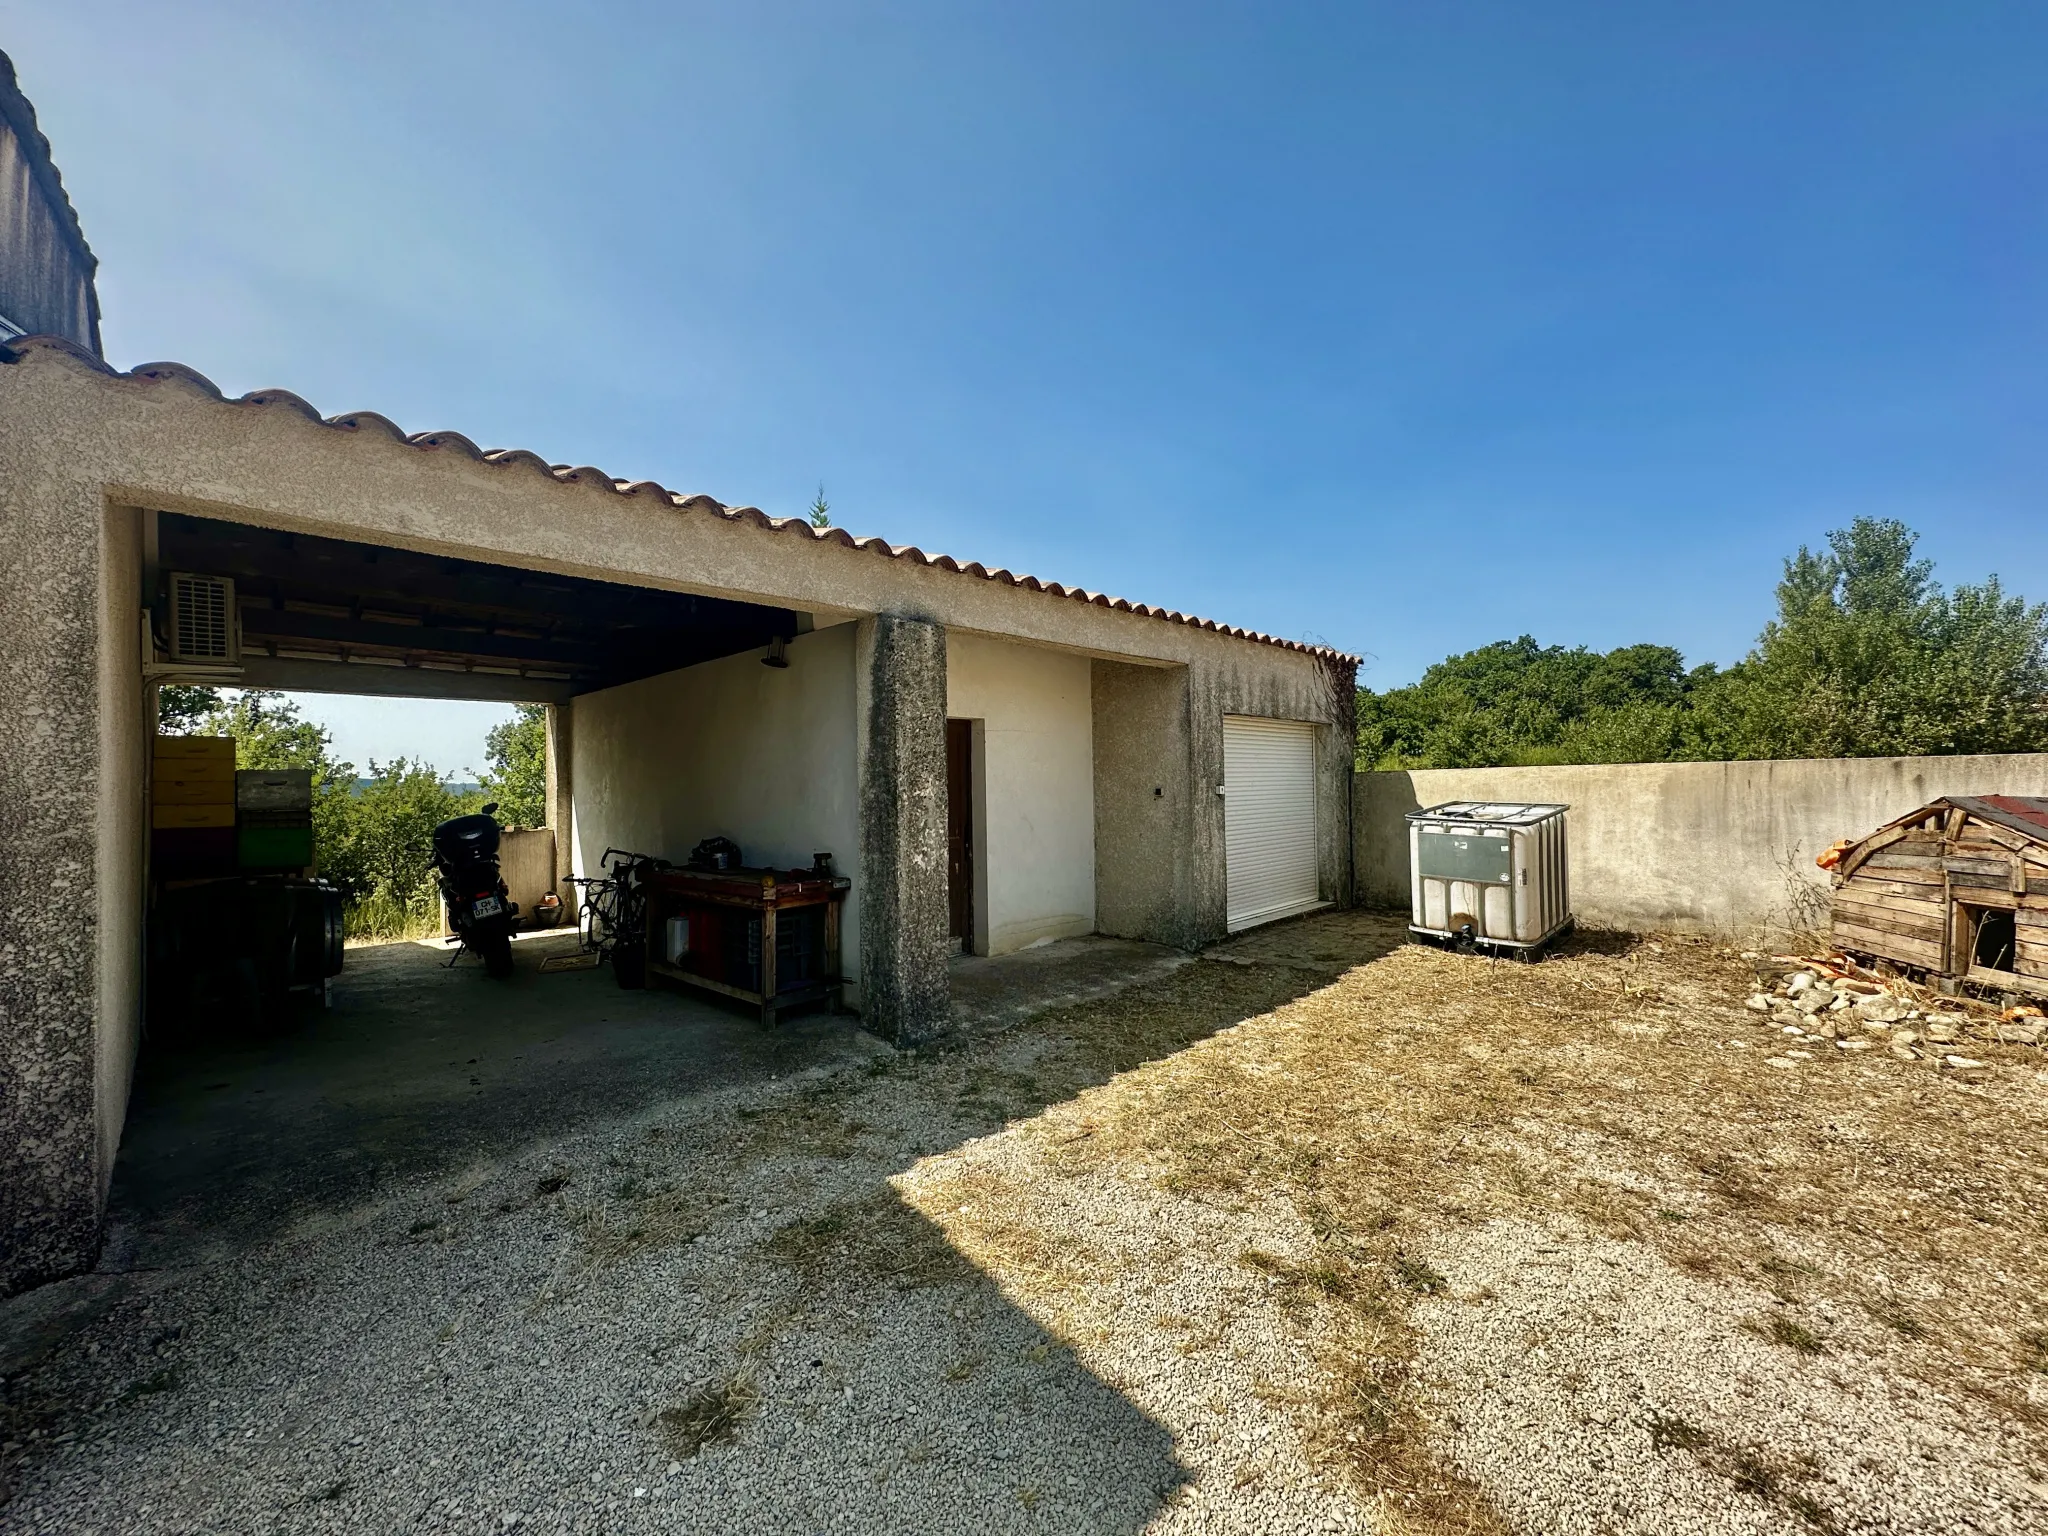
1250	310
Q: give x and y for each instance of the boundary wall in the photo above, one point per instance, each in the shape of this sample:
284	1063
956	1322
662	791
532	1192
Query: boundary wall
1724	848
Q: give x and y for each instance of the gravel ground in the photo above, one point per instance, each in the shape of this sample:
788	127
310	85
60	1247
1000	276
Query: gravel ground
531	1344
1318	1234
1591	1387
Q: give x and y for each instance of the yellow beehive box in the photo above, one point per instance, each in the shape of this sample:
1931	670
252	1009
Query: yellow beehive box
216	751
186	789
166	816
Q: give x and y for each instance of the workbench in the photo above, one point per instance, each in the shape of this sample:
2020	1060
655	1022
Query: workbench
768	937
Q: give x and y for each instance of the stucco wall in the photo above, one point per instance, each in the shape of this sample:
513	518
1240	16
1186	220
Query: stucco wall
762	755
1144	842
1035	842
1227	686
1714	847
124	744
78	439
50	839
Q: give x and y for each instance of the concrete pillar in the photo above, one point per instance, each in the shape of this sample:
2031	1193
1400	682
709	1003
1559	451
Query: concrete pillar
561	797
904	947
70	861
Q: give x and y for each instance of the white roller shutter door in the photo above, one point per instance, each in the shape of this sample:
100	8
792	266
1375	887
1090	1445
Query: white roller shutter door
1269	819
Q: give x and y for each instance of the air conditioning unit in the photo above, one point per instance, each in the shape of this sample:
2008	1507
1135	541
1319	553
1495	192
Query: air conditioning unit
204	624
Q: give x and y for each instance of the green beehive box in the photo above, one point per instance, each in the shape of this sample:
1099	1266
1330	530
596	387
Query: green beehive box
274	847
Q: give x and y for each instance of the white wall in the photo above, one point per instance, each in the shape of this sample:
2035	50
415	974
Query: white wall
1035	833
732	749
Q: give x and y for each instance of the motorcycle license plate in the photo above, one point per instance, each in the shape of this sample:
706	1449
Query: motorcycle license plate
487	906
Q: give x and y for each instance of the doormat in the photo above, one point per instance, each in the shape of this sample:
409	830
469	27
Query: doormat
581	962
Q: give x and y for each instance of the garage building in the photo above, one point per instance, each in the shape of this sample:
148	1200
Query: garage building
1078	764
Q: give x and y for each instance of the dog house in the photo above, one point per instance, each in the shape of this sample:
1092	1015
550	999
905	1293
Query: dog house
1958	888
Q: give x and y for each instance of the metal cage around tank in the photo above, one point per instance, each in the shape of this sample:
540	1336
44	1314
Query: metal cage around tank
1489	873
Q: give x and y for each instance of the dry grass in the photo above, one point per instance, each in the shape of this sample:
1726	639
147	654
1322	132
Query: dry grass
878	1240
711	1415
983	1224
633	1218
811	1125
1618	1086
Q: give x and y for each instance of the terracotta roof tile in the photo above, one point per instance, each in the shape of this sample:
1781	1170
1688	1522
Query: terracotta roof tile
455	442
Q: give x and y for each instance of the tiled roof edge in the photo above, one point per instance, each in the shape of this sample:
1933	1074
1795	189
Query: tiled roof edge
455	442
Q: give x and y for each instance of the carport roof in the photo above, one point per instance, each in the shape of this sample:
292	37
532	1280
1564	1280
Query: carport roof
520	458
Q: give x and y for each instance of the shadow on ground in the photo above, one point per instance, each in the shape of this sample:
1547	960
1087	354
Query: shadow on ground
415	1068
455	1252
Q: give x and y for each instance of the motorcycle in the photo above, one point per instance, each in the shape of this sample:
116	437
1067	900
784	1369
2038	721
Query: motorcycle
480	908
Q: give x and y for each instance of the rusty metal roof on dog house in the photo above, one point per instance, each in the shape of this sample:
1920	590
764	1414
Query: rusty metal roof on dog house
521	459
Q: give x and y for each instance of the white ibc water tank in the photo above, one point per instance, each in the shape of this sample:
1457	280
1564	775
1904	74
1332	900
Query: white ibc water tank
1490	872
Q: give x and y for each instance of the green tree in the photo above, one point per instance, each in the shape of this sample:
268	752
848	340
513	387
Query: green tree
181	706
1869	657
518	776
1516	701
821	509
390	828
270	731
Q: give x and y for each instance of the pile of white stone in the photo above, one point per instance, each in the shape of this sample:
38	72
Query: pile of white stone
1820	1007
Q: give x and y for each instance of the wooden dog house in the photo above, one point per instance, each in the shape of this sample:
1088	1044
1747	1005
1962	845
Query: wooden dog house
1958	888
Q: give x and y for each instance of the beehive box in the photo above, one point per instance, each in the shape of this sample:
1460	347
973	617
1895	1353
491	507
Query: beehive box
192	806
274	789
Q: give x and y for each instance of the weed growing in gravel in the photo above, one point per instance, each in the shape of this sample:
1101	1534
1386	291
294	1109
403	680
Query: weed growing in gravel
1746	1470
1780	1329
640	1221
1389	1103
712	1415
1371	1405
1896	1318
1418	1092
1668	1432
1419	1276
1321	1275
1752	1477
811	1125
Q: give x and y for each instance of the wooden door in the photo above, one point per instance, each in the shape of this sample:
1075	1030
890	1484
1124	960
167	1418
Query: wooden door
960	829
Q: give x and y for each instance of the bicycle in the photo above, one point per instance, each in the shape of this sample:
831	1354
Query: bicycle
612	916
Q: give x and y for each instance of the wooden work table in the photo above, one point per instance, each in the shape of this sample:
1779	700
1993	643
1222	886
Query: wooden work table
769	937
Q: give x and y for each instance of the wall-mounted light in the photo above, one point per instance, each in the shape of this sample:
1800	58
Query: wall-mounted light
775	656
